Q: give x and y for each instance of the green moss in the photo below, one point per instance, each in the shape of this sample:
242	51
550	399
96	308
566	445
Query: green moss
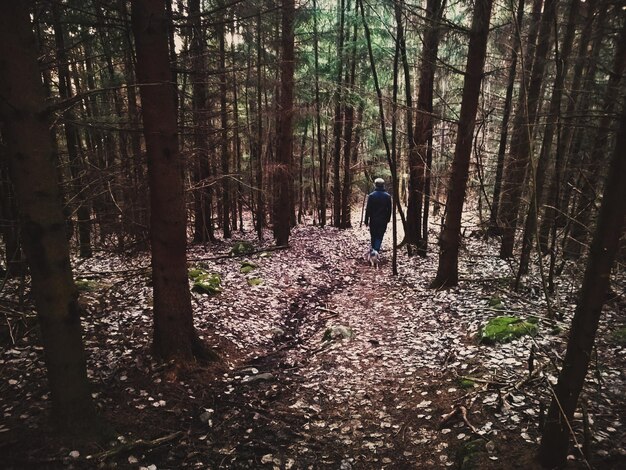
205	282
466	383
85	285
505	329
619	336
247	267
241	248
255	281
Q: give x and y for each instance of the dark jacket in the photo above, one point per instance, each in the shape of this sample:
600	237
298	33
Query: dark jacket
378	211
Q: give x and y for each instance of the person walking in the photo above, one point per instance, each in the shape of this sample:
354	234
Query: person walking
378	214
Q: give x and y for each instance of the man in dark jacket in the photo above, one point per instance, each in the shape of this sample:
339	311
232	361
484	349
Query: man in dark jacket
378	214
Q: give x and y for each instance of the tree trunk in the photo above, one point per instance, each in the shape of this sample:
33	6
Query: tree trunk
568	122
34	174
318	118
506	113
423	130
225	160
584	209
260	206
520	148
449	241
539	173
346	192
174	333
72	139
203	223
282	174
338	120
555	439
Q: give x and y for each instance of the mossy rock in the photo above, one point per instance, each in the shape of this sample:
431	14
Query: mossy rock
241	248
505	329
247	267
255	281
619	336
467	455
85	285
496	302
205	282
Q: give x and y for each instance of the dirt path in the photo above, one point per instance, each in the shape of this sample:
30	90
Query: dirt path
370	397
327	364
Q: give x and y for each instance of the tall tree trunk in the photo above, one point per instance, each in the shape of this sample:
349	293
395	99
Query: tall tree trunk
520	148
318	118
260	206
538	175
203	223
346	192
225	154
174	333
506	112
282	174
34	174
338	121
422	132
72	139
555	439
584	209
568	122
450	239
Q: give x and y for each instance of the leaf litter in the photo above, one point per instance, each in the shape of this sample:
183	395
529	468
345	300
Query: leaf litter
403	381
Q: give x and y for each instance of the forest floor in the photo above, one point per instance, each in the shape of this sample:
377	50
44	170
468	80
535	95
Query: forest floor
326	363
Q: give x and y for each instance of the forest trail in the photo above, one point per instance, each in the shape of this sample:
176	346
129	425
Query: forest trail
328	363
363	369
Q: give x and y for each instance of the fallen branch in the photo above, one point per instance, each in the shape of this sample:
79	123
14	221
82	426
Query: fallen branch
458	410
248	253
139	443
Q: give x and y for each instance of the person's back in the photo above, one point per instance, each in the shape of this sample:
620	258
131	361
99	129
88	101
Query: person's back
378	214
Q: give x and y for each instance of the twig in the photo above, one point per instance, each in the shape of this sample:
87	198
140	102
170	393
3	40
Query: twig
137	444
260	250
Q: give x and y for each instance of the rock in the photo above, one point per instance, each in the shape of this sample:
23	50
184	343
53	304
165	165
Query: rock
337	332
257	378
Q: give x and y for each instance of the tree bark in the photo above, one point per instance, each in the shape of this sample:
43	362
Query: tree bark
174	333
520	148
554	113
555	439
584	209
72	139
33	171
449	241
225	160
506	113
338	120
422	133
282	174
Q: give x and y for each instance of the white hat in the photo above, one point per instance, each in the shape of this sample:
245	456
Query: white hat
379	181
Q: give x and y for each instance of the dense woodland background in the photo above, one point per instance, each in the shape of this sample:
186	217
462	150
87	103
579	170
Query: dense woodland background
152	124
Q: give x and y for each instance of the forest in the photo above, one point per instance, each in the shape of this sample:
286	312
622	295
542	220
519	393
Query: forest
193	195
